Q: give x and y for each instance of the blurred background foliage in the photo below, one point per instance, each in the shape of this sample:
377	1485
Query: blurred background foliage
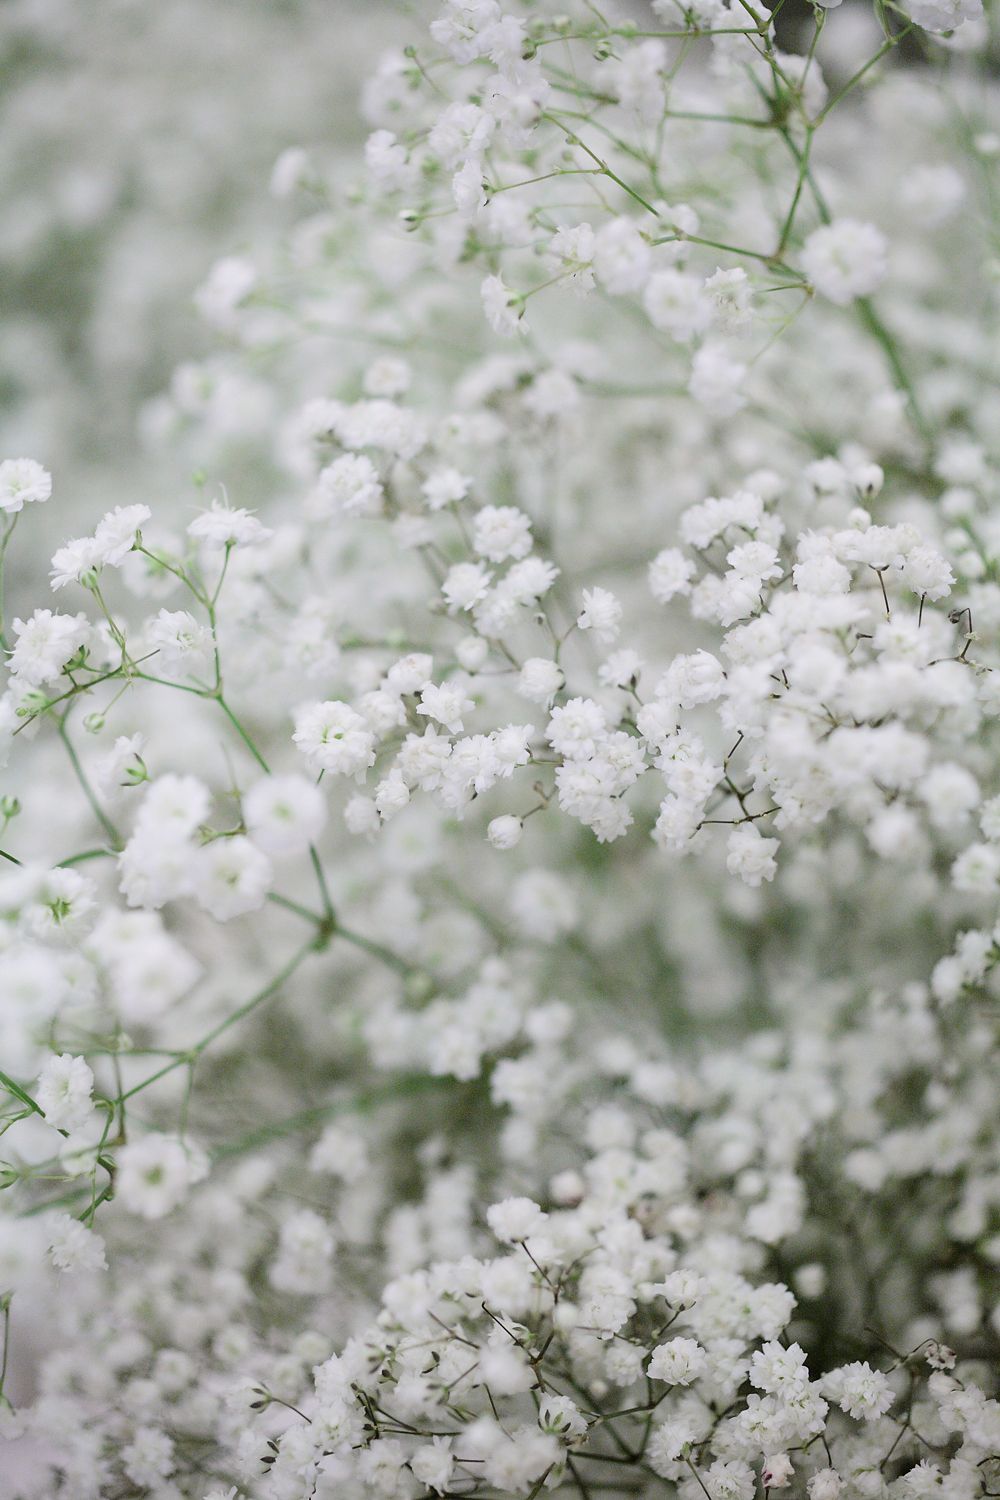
135	145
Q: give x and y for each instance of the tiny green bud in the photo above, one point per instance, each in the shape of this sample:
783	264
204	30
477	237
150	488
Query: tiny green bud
10	806
136	773
94	723
32	703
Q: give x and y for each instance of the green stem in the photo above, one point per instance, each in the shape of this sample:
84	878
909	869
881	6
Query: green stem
79	859
574	140
855	78
377	950
259	998
85	786
324	891
6	1346
244	736
414	1083
884	338
8	532
296	907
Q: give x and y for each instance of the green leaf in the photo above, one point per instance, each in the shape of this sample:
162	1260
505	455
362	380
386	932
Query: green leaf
19	1093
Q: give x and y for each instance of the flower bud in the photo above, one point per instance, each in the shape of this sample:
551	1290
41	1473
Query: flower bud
505	832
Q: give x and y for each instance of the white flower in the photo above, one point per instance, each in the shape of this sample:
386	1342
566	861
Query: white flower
175	805
230	876
670	574
63	904
504	309
445	703
361	816
341	1151
149	1457
224	526
350	486
527	581
928	573
22	482
505	832
561	1415
677	1362
391	795
691	680
944	15
229	282
387	162
732	1480
155	1173
777	1471
180	641
675	301
751	856
540	679
72	562
116	534
284	814
382	425
433	1464
571	252
716	380
730	292
290	172
72	1247
977	869
45	643
460	131
464	27
410	673
335	738
305	1249
501	532
515	1219
576	728
845	259
444	487
601	613
465	585
776	1368
859	1390
122	766
622	258
64	1090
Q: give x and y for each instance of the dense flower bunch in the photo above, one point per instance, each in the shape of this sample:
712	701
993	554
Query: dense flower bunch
498	913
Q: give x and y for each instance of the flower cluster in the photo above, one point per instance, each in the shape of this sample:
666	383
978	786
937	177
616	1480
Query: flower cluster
498	907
